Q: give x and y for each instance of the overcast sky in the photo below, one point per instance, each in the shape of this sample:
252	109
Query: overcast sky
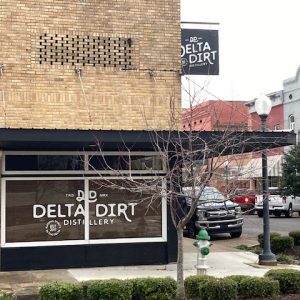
259	44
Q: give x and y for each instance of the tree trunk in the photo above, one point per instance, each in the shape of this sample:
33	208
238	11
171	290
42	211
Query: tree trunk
180	279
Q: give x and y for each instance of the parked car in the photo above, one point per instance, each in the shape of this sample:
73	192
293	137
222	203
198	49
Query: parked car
216	214
245	198
278	203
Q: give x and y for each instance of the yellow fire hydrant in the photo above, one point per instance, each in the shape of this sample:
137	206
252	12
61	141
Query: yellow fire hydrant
203	245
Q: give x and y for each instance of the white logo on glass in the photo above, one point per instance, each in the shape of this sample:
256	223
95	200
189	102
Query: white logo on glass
53	228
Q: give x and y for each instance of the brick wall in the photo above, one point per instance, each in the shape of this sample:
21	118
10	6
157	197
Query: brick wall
126	51
216	115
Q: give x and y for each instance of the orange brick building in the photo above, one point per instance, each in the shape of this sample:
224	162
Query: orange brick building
216	115
242	171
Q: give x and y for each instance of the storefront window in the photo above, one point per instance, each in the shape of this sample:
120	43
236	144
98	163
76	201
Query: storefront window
82	208
146	163
44	162
117	213
108	162
125	162
43	210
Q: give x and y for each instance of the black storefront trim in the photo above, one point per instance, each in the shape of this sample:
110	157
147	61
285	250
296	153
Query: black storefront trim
118	140
57	257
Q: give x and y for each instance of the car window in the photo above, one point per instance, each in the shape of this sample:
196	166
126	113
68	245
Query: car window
239	192
275	192
250	193
210	193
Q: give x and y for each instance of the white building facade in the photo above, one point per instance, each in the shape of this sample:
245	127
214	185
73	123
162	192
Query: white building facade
291	103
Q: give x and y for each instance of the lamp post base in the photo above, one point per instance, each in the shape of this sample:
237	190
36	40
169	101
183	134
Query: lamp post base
267	260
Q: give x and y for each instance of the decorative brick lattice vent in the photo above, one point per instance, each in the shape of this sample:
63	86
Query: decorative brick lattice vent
85	50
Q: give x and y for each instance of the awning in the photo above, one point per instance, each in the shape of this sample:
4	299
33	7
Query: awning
253	169
226	143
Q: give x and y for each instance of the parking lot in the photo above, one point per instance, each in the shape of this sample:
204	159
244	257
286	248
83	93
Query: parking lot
253	225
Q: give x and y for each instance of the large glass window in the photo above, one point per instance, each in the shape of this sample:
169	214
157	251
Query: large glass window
109	162
54	210
146	163
52	163
44	162
125	162
116	213
81	208
44	210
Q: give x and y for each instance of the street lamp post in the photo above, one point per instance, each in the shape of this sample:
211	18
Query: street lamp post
263	107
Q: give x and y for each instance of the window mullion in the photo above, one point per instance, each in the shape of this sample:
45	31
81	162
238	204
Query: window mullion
3	212
86	162
86	210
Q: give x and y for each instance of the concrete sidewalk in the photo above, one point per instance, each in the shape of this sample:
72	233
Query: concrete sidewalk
221	264
25	284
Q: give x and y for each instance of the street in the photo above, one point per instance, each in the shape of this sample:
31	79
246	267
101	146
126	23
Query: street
253	225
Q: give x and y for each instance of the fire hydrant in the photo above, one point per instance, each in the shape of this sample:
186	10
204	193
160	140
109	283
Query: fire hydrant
203	245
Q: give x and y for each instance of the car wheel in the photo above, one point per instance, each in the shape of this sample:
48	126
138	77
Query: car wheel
260	213
277	214
289	212
236	234
191	231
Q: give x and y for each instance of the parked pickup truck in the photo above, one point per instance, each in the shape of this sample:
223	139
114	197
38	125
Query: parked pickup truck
215	214
278	204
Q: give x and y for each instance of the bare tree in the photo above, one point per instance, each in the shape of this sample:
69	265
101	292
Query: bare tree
189	158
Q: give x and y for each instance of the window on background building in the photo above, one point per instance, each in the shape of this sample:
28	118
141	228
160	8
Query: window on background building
276	127
291	122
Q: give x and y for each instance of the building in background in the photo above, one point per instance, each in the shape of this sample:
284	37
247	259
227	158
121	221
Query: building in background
216	115
245	171
275	121
285	116
239	171
291	98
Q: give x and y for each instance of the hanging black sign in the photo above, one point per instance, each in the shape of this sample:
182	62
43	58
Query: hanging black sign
199	52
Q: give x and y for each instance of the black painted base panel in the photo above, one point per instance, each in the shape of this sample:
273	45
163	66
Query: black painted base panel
58	257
